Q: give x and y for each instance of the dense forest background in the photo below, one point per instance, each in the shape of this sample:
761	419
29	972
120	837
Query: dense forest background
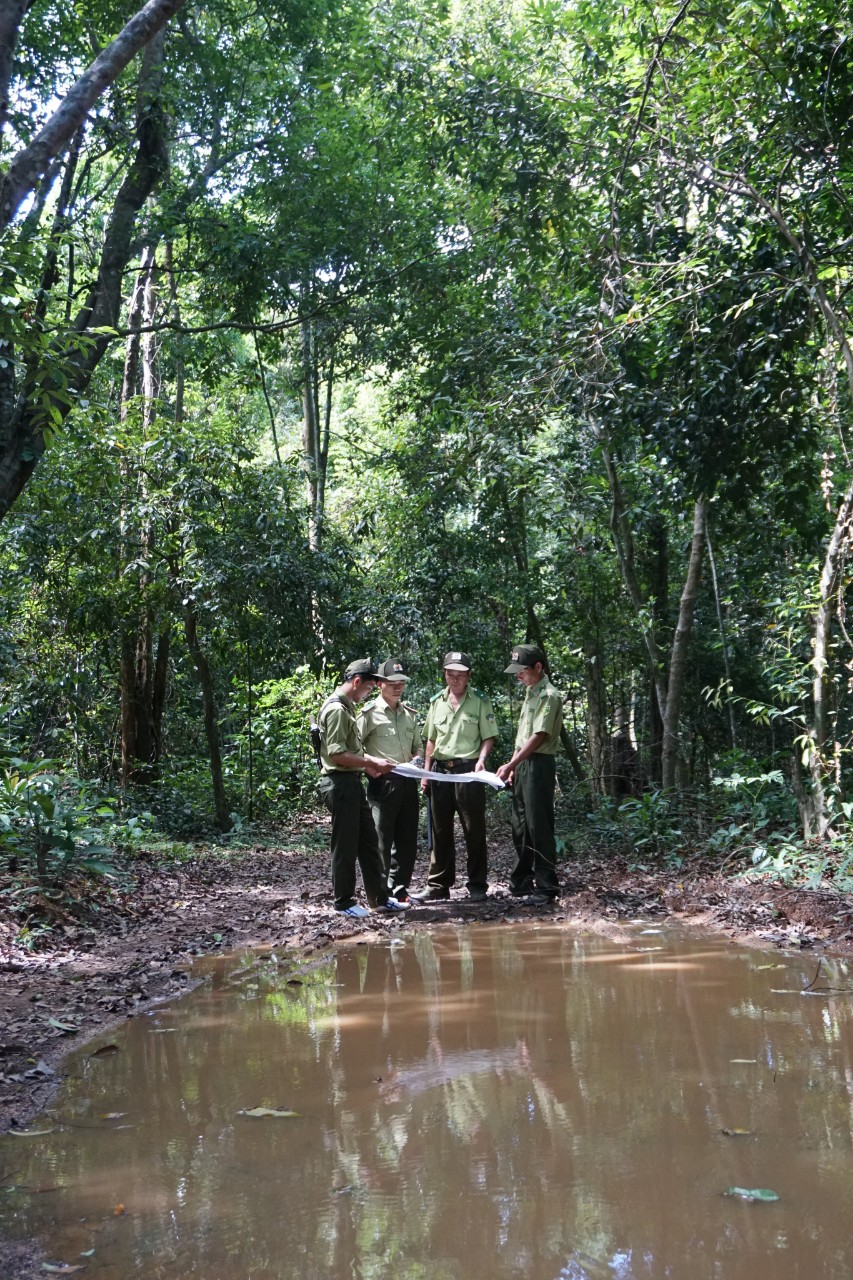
333	328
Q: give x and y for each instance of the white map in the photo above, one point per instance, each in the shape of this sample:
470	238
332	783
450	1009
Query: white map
483	775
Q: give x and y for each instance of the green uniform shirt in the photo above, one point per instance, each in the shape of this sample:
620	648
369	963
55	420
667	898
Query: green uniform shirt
541	712
459	733
339	731
391	734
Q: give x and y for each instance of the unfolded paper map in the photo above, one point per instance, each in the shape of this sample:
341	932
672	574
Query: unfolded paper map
483	775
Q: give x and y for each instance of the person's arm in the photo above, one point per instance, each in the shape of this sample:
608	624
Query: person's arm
374	766
429	748
333	729
488	727
526	749
485	747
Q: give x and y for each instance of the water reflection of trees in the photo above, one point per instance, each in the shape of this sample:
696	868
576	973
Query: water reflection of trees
489	1102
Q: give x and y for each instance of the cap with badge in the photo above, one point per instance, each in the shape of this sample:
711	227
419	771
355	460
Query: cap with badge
456	660
524	655
363	667
392	669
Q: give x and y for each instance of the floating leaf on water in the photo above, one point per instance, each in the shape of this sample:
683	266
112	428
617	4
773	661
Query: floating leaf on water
62	1026
267	1111
113	1115
752	1193
749	1060
104	1051
737	1133
90	1253
62	1268
163	1031
119	1211
29	1133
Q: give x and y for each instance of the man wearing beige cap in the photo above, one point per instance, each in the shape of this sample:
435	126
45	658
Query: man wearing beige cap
343	760
532	771
389	728
459	733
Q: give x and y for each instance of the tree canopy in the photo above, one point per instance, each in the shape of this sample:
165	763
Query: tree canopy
340	328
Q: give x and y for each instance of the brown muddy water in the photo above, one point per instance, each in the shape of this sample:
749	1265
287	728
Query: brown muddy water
479	1102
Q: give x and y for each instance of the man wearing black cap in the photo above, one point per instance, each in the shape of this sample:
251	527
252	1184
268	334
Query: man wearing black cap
459	733
389	728
343	760
532	772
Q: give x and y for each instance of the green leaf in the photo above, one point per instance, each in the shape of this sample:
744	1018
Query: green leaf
752	1193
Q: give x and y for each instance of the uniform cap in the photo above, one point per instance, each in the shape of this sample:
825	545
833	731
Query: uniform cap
361	667
524	655
392	669
456	660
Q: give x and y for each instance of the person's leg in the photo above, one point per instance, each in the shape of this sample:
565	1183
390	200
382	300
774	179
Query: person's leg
539	804
405	835
369	860
521	879
384	805
341	794
442	863
471	803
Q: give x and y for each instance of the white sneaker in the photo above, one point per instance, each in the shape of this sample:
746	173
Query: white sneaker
355	912
393	905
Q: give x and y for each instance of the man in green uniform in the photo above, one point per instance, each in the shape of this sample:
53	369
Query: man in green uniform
389	728
459	733
343	759
532	772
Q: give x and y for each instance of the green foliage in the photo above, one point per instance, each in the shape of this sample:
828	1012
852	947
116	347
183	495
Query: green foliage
50	825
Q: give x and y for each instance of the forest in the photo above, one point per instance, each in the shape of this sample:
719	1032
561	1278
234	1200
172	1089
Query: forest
334	328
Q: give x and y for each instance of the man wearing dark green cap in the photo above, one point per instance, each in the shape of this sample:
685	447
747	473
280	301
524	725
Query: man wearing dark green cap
389	728
532	772
342	760
459	733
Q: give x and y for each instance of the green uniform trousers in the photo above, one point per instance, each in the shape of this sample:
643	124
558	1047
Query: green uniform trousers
394	803
468	799
353	840
533	826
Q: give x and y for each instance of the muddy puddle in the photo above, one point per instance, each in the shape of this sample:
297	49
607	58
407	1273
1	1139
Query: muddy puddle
481	1102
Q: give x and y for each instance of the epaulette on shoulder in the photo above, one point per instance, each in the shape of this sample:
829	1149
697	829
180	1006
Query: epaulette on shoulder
408	706
479	694
436	696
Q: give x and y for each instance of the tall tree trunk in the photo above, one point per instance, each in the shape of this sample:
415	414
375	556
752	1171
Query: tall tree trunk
29	413
623	542
681	640
200	661
143	676
31	162
668	682
723	639
596	717
211	716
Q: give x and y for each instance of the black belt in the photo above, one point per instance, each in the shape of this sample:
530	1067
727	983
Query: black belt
448	766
